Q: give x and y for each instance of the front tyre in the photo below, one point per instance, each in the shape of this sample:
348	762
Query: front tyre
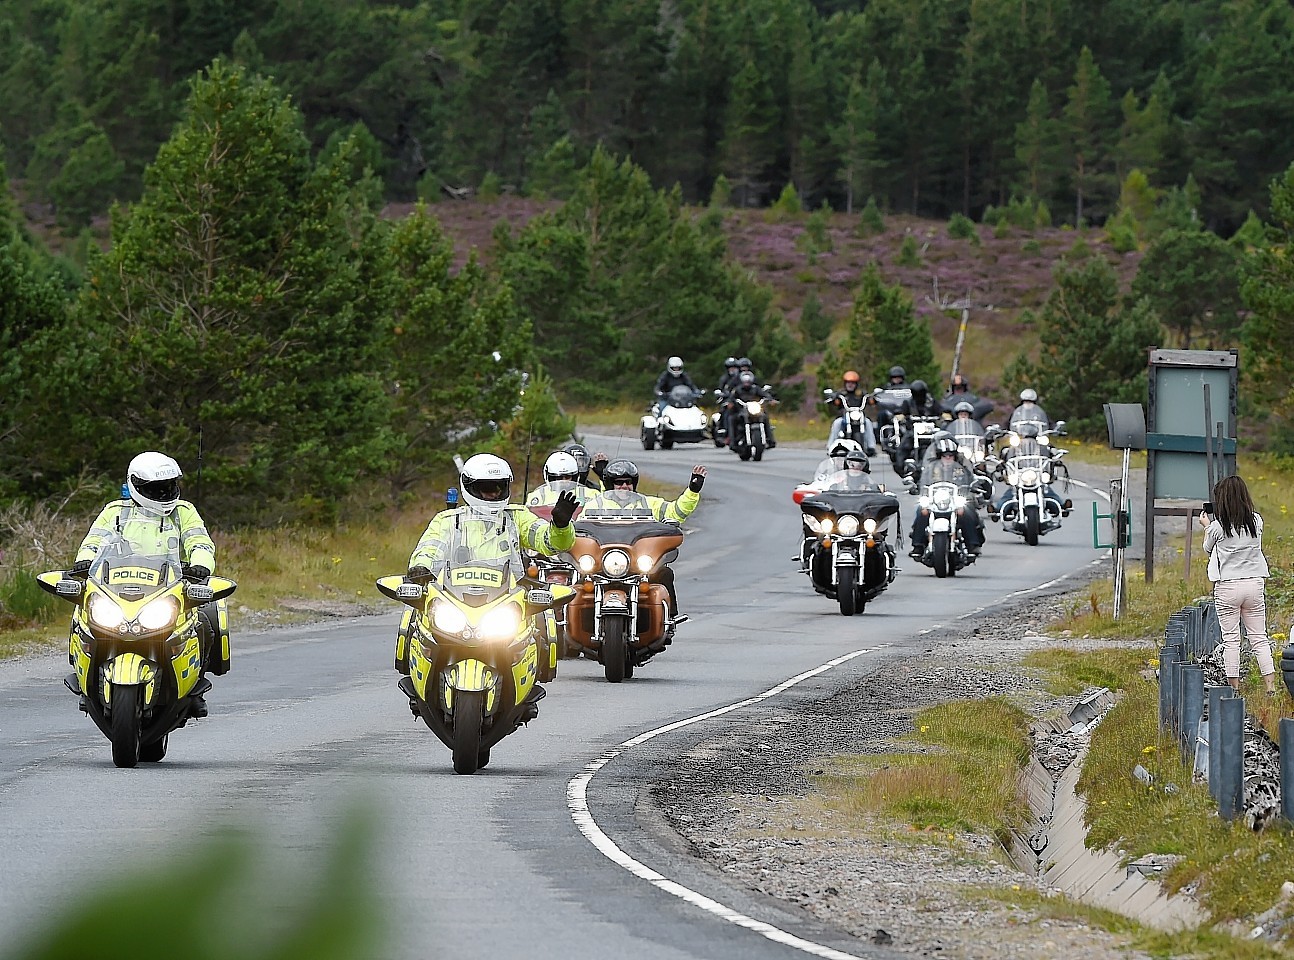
1032	524
939	549
469	712
615	652
126	713
846	593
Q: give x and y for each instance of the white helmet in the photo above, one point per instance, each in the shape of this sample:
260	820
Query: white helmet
486	483
560	466
675	364
840	448
1028	395
153	480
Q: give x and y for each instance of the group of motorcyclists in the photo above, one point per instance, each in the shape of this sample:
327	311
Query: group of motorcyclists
489	528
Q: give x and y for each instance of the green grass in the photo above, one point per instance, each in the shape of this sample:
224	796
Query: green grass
958	770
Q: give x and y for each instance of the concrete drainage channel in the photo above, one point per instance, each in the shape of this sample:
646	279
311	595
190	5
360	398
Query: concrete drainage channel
1056	851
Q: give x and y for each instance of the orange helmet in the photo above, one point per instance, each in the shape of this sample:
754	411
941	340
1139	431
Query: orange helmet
851	376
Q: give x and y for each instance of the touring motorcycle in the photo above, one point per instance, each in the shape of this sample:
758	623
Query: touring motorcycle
853	425
680	421
470	655
1029	463
846	550
137	644
618	616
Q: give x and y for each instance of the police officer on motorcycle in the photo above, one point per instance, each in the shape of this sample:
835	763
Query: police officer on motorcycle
851	396
621	477
948	468
153	519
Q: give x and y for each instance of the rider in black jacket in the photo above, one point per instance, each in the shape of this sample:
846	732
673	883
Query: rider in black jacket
671	378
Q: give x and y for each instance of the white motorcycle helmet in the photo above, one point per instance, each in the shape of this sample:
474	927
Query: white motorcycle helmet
675	365
486	483
560	466
1028	395
843	447
153	481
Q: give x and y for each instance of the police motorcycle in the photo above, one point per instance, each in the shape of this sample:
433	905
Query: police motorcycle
137	644
618	616
846	550
1028	463
679	421
750	425
470	655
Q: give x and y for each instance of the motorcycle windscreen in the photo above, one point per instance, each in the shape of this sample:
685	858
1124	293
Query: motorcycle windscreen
541	500
141	557
682	397
482	558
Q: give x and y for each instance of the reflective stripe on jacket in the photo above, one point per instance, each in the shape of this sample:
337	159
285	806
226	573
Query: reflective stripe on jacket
152	533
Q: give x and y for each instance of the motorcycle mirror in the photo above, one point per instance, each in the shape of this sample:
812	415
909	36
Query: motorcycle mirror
69	588
1060	427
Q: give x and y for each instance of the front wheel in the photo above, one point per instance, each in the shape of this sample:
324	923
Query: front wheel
845	592
1031	526
469	713
126	715
615	652
939	548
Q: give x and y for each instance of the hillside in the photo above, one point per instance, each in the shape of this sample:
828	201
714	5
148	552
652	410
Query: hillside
1002	276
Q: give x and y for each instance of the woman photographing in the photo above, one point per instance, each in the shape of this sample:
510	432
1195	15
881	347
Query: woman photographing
1233	540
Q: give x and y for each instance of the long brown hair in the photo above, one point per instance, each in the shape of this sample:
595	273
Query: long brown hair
1234	507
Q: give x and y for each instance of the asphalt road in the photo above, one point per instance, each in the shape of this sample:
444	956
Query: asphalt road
309	722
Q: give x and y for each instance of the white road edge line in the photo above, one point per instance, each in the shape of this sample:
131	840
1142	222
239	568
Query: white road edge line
577	798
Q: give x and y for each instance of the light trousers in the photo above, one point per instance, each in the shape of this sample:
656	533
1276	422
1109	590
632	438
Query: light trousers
1238	601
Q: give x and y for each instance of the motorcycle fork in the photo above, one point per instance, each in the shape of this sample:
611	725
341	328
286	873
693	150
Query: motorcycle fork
631	588
853	561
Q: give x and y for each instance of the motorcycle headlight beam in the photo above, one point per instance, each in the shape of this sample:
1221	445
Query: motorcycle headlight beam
160	614
587	563
869	526
754	407
105	613
645	563
501	623
615	563
1028	477
848	526
447	617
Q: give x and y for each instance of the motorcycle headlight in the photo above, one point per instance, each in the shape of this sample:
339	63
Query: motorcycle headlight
826	526
848	526
448	617
942	500
959	502
869	526
1028	477
501	623
1045	440
1046	478
587	563
1015	440
924	502
160	614
754	406
615	563
645	563
105	613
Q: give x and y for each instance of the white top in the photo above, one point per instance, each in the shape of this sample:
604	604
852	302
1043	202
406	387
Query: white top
1237	557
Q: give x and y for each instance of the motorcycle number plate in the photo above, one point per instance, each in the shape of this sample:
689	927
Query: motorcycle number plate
409	590
539	596
1029	499
940	525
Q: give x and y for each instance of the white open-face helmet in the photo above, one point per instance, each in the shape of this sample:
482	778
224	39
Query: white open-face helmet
560	466
486	483
675	364
1028	395
153	480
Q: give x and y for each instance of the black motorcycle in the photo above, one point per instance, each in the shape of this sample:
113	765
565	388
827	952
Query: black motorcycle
750	427
850	558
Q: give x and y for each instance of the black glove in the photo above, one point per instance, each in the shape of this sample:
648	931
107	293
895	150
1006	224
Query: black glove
196	573
418	574
80	570
695	484
564	509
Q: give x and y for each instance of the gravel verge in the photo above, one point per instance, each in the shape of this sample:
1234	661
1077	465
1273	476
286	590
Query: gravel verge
746	802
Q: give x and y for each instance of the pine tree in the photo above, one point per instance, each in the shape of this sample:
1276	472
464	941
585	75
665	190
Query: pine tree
1086	125
748	145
